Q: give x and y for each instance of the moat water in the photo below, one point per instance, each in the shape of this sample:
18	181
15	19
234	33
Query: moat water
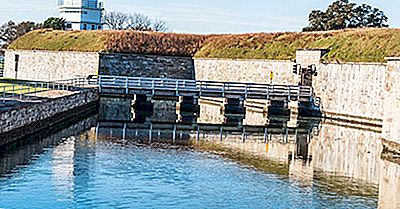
93	163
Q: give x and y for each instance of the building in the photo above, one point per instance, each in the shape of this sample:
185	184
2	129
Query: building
82	14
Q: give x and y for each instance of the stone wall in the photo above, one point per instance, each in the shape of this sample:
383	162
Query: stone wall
245	71
20	119
353	91
391	123
49	65
134	65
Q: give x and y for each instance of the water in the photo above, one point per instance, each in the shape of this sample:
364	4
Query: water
97	164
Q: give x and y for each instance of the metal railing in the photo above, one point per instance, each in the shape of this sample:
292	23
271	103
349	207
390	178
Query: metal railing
180	87
1	68
30	90
77	82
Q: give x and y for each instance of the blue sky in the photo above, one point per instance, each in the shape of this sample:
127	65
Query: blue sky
204	16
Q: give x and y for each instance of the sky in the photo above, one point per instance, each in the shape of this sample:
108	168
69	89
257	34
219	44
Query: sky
204	16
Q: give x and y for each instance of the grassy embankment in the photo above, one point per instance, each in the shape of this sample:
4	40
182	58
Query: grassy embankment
361	45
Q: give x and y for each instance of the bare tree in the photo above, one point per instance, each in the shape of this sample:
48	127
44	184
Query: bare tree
160	26
117	20
139	22
136	21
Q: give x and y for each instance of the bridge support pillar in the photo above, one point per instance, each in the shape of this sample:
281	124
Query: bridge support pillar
115	109
278	108
164	110
189	109
234	106
234	111
143	107
294	114
307	109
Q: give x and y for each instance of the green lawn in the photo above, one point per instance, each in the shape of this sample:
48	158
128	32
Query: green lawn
8	86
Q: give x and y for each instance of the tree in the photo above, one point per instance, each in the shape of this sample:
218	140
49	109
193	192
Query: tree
11	31
55	23
8	33
160	25
136	21
342	14
117	20
139	22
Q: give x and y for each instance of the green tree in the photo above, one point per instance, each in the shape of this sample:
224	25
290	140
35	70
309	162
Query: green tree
342	14
11	31
54	23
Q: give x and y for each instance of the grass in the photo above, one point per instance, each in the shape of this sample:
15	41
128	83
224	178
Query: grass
8	86
85	41
355	45
362	45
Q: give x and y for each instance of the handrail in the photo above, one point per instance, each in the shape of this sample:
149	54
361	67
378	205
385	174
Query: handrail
30	89
203	87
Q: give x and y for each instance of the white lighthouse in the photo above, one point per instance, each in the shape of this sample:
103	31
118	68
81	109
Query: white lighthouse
82	14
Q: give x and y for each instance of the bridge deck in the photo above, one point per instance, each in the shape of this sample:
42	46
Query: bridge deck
179	87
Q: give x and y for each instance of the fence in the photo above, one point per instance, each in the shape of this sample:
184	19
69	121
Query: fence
176	87
30	90
1	66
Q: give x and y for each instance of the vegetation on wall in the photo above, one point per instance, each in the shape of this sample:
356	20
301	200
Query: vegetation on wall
355	45
155	43
352	45
85	41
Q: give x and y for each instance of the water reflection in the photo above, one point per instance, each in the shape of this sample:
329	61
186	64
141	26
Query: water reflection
322	163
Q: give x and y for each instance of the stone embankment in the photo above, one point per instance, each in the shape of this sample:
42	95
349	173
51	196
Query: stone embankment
20	121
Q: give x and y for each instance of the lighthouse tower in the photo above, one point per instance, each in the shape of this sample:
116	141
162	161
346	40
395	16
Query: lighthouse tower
82	14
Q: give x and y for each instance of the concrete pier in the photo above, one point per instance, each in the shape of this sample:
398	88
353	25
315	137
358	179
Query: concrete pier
115	109
234	106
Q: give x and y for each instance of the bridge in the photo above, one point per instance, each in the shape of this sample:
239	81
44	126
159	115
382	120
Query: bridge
163	87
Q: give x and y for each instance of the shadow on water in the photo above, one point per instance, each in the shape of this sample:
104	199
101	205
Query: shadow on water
24	151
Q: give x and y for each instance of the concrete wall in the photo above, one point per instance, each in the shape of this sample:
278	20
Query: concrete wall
134	65
49	65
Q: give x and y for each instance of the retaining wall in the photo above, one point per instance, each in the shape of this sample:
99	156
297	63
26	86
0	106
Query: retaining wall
135	65
353	91
245	70
350	91
20	121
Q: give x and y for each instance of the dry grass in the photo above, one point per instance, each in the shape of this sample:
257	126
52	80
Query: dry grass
361	45
155	43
